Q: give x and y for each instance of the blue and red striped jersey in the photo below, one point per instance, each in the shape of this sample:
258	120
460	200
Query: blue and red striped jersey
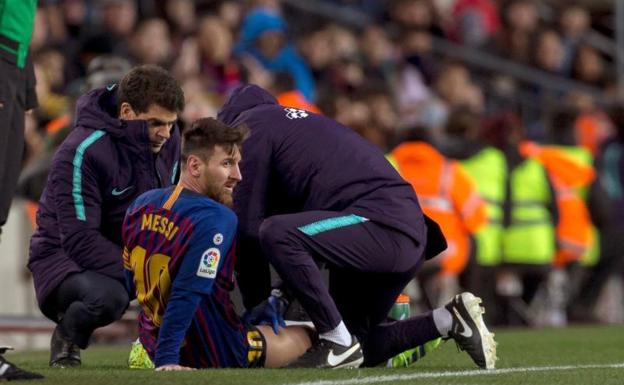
179	260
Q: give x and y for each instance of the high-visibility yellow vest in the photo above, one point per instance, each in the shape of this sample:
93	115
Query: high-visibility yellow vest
530	236
489	170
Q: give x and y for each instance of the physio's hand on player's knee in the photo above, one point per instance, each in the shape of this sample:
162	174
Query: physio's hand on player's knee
172	368
270	312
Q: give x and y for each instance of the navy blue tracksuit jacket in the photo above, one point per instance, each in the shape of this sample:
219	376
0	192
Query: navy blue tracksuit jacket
298	161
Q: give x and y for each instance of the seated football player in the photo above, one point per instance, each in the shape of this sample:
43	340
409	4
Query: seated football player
178	258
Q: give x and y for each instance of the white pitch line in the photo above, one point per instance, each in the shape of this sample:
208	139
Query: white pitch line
414	376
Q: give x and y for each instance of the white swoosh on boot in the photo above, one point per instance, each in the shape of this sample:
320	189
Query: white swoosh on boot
467	332
334	360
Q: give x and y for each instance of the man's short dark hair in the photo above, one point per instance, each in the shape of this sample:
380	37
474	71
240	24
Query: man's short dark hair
149	84
206	133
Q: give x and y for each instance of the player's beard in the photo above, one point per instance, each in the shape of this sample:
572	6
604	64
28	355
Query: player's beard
219	194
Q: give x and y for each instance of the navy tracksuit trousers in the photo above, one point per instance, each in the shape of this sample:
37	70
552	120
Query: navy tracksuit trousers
369	265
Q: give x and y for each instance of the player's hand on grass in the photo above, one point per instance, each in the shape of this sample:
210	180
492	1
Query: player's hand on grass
173	368
270	312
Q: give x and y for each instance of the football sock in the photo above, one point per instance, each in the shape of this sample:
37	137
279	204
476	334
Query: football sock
340	335
409	357
443	320
391	338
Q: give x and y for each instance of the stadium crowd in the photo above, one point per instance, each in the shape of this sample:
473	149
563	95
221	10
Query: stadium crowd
524	179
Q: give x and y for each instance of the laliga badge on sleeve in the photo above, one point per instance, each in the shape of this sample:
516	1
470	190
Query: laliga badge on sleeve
209	263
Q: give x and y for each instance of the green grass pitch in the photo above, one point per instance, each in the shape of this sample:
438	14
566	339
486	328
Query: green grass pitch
571	356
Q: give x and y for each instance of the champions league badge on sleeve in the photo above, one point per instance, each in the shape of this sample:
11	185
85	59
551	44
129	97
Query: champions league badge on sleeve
209	263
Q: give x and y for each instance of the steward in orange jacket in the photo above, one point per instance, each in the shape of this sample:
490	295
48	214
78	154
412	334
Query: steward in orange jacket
447	194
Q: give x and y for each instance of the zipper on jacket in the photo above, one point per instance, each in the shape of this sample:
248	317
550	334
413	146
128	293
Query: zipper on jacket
155	170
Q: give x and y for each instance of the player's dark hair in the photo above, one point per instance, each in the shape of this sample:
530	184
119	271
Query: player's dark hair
149	84
206	133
